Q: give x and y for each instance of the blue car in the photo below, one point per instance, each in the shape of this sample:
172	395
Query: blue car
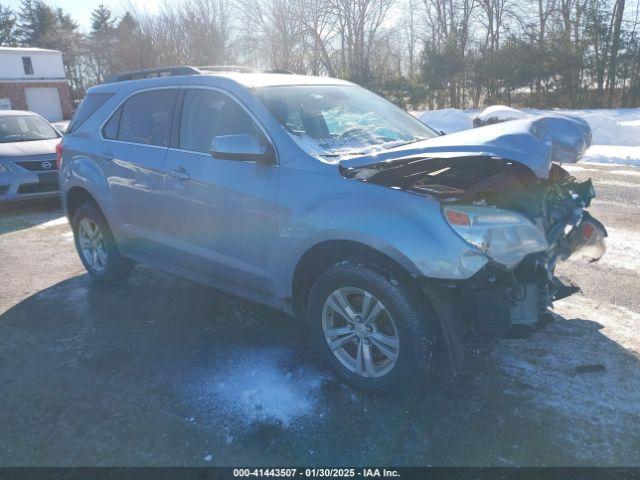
319	198
27	156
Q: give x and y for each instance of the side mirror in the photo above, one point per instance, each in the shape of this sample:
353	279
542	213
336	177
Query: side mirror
241	147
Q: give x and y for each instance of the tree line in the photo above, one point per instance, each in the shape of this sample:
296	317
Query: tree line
418	53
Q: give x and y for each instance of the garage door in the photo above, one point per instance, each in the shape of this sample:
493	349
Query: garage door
44	101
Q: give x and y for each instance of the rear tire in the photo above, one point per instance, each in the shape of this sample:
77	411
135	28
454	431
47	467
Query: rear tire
96	246
384	340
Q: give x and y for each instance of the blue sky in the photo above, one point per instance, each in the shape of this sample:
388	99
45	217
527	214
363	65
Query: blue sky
81	9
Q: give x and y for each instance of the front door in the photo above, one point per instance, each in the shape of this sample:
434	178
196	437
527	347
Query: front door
221	212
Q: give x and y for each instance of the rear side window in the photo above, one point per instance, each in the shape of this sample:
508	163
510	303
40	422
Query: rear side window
146	118
88	106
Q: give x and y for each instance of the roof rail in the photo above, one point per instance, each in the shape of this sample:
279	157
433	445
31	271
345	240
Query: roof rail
281	71
240	69
152	73
228	68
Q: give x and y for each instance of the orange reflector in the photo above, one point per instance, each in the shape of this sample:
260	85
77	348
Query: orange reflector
458	218
588	230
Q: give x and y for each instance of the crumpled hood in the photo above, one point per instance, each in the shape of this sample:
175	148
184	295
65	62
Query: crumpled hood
535	142
24	149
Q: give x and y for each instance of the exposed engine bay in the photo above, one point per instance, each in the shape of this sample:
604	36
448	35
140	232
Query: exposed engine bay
502	298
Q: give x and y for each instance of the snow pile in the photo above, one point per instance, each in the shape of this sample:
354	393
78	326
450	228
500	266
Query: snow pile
609	127
620	154
616	132
448	120
500	113
263	386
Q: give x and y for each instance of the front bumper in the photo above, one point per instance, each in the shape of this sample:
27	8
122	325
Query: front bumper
498	302
19	183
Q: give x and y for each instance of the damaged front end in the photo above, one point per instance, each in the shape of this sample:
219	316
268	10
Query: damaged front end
524	225
550	223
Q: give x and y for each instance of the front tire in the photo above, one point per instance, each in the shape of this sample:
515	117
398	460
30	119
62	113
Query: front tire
373	329
96	246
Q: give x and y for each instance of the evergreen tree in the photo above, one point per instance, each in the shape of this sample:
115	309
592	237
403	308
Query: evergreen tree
102	41
102	21
36	22
8	34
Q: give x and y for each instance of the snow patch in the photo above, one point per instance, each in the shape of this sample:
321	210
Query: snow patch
622	250
53	223
619	171
264	386
616	154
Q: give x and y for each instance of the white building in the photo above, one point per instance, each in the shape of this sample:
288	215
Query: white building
34	79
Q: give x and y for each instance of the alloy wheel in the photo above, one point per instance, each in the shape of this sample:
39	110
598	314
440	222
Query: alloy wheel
360	332
92	244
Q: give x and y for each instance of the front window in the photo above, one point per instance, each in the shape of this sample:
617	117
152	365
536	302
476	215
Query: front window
207	114
335	121
25	128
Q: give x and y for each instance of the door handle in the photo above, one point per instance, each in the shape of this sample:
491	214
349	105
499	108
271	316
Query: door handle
107	155
180	173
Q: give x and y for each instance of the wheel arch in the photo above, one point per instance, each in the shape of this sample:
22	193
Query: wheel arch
322	255
75	197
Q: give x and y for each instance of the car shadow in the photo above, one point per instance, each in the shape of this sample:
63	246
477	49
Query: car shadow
16	216
157	370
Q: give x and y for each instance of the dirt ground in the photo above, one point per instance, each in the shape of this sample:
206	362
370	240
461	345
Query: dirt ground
162	371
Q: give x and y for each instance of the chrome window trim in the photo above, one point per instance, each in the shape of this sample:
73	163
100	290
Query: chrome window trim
244	107
150	89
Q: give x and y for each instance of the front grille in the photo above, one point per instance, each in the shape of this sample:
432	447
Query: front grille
4	189
38	188
46	165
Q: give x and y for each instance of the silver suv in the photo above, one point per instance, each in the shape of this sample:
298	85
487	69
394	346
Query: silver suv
321	199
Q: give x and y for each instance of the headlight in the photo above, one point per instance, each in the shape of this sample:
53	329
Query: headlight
3	168
504	236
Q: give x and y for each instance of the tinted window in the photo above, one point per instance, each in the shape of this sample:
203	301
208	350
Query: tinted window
110	130
207	114
146	118
88	106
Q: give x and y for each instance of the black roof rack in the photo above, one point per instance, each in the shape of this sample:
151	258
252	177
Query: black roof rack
229	68
152	73
240	69
175	71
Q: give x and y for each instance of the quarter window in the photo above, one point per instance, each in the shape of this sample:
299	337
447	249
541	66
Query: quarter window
110	130
207	114
146	118
88	106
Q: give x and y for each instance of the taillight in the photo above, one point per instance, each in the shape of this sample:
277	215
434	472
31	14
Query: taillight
59	155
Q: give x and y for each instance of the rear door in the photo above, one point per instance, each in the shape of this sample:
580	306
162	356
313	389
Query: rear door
133	153
221	213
